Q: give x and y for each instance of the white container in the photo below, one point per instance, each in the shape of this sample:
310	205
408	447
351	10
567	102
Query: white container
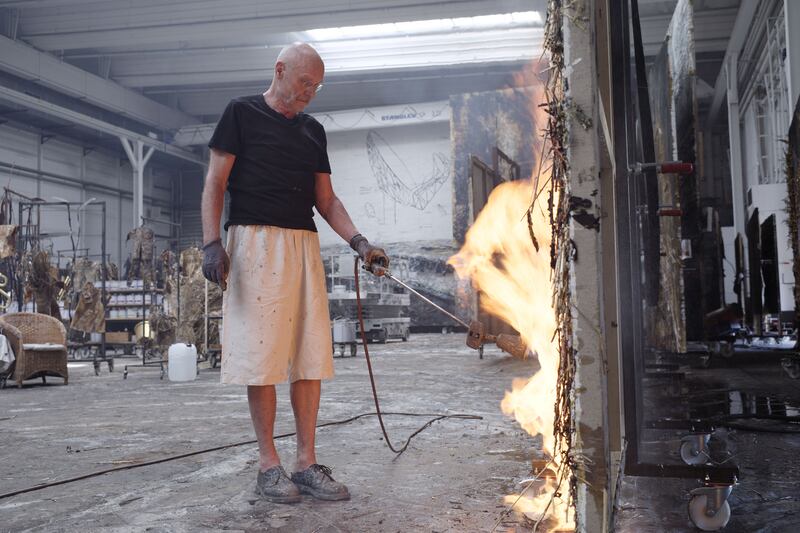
344	331
182	363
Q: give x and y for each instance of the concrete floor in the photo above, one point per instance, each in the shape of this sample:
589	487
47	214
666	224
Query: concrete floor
452	478
766	499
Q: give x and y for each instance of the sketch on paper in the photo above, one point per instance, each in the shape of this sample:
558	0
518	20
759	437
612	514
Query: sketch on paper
397	181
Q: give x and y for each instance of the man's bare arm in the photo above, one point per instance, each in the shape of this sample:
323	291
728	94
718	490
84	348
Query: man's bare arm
219	169
332	209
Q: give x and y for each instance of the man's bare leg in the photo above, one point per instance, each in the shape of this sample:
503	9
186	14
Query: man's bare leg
261	399
305	403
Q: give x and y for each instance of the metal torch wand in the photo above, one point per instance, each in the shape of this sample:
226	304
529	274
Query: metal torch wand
476	331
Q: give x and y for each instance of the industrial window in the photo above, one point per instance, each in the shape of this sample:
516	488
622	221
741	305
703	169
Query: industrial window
769	94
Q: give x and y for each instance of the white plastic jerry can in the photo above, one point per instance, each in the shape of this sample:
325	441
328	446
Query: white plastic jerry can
182	362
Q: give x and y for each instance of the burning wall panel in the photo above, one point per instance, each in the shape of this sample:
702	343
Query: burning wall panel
793	205
665	326
681	308
481	122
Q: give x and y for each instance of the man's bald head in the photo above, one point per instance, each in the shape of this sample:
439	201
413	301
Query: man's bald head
299	53
298	76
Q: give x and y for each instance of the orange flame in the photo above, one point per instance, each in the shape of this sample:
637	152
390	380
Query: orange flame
514	278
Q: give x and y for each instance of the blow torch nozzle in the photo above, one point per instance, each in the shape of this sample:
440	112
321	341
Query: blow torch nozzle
476	334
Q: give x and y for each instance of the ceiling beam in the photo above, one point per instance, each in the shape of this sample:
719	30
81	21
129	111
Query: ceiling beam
224	23
73	117
341	58
29	64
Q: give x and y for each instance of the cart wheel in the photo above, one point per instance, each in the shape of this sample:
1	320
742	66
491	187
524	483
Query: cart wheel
691	455
791	366
110	365
699	514
726	349
97	368
353	349
704	361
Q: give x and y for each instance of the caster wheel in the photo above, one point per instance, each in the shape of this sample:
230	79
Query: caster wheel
791	366
699	514
691	455
704	361
726	349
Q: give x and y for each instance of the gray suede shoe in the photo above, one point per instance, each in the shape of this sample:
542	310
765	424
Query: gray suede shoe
274	485
316	480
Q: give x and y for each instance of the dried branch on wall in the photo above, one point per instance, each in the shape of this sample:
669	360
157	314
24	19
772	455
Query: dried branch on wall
793	208
561	248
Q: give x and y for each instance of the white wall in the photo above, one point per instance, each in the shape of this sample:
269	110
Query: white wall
61	156
769	199
395	182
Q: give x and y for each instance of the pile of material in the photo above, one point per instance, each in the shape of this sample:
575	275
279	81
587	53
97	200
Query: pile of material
41	283
141	261
191	328
90	313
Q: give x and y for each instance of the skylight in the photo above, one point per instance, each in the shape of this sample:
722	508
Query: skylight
417	27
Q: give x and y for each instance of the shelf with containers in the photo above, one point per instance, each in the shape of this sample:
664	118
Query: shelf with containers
127	307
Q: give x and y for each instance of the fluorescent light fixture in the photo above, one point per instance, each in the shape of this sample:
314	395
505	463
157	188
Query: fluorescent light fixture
415	27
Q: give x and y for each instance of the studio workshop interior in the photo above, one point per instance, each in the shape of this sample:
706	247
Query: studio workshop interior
399	265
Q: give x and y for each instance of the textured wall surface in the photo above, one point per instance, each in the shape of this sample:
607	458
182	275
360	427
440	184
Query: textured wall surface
793	205
19	148
482	121
665	326
396	183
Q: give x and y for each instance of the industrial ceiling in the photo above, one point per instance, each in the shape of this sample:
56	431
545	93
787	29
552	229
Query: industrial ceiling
154	66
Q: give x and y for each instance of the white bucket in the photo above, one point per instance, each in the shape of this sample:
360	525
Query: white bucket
182	362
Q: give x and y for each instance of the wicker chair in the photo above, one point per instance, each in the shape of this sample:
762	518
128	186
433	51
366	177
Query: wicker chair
39	343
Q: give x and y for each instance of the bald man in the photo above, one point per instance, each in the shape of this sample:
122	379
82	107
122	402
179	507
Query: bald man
273	160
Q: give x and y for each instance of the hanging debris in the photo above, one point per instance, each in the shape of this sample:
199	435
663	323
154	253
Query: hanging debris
84	271
8	240
191	328
163	326
89	316
141	258
41	283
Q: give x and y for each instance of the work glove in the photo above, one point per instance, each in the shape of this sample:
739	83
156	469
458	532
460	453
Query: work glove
374	258
216	263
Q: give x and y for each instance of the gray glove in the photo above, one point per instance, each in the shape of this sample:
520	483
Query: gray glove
374	258
216	263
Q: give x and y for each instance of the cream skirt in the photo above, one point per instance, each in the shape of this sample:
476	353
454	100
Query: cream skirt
275	309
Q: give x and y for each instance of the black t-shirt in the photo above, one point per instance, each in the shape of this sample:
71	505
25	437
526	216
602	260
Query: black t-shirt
272	180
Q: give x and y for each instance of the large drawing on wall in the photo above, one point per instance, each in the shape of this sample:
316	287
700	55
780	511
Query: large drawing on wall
397	181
